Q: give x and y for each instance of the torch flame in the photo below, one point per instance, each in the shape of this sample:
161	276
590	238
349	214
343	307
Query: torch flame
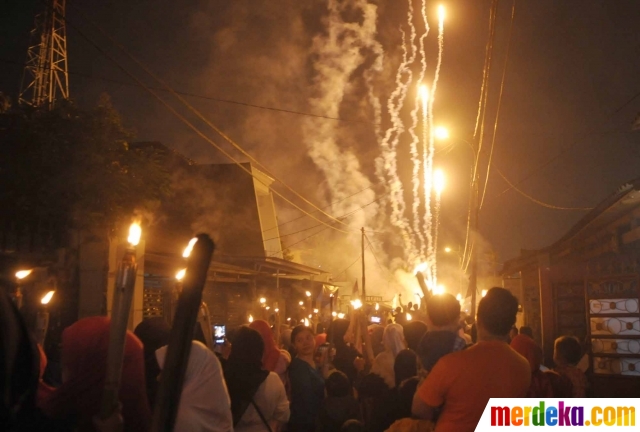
377	306
189	248
250	318
409	317
134	234
341	315
23	273
47	297
357	304
420	267
180	274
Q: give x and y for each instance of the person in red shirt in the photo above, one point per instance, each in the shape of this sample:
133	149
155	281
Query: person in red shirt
458	388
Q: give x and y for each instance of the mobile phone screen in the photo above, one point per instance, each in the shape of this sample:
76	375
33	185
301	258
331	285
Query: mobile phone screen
375	320
219	333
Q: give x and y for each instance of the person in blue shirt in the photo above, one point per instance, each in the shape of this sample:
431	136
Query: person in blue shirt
307	382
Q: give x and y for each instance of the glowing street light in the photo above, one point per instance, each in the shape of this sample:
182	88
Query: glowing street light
308	294
341	315
276	310
301	303
250	318
441	133
357	304
438	181
268	307
377	306
47	297
263	300
447	249
315	311
334	314
23	274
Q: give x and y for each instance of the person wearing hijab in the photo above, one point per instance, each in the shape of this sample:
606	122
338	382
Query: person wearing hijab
307	382
541	382
393	340
256	393
345	354
273	359
84	366
204	401
154	334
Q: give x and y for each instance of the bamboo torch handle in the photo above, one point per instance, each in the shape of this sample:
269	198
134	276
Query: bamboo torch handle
175	365
122	298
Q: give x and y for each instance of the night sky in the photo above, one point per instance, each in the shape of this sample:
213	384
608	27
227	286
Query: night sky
574	65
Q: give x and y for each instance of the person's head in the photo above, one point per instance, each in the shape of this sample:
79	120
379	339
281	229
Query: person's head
393	339
338	385
414	331
337	330
353	426
153	333
83	357
567	351
247	347
410	305
527	348
443	310
320	328
303	341
527	331
416	307
496	313
406	365
513	332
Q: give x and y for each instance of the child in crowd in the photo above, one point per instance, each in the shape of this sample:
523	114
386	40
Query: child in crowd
567	354
339	406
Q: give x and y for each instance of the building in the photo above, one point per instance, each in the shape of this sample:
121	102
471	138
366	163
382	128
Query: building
587	284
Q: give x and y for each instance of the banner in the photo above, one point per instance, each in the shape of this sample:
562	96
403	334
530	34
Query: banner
548	414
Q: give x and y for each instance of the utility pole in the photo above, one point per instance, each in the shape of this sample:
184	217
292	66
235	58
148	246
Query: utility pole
364	286
45	76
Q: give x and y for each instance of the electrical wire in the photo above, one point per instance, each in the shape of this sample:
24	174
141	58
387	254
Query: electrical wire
188	123
198	96
198	114
542	203
340	217
330	205
495	126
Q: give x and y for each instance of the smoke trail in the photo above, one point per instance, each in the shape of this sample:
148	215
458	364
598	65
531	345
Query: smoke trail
390	142
415	140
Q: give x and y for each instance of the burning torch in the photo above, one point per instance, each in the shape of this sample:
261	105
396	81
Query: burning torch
42	319
17	295
122	297
172	378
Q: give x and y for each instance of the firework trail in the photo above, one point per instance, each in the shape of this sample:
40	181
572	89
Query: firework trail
389	144
428	153
415	140
438	187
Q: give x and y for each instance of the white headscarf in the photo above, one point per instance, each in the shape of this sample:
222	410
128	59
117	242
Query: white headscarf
204	404
393	340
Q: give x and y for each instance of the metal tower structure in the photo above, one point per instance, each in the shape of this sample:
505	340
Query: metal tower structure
46	77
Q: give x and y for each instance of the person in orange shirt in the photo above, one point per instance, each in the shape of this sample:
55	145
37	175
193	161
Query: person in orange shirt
460	385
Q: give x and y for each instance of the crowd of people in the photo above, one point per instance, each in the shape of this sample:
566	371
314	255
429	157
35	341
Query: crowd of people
430	375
